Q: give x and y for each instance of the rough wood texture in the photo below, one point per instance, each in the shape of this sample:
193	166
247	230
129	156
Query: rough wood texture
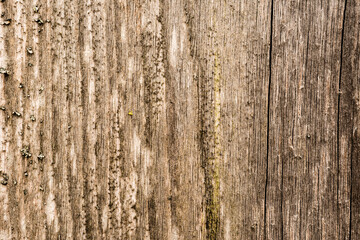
181	119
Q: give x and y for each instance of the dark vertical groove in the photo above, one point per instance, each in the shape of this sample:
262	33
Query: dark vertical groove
300	221
338	115
87	221
171	119
351	176
282	199
268	115
207	141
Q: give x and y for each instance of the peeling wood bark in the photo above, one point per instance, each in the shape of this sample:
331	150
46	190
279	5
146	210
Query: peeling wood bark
179	119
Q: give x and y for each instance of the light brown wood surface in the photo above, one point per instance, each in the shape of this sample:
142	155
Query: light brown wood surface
180	119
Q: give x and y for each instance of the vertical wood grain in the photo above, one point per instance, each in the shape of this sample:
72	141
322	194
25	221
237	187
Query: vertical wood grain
181	119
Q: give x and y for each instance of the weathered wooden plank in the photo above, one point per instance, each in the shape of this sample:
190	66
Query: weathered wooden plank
303	179
243	29
179	119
